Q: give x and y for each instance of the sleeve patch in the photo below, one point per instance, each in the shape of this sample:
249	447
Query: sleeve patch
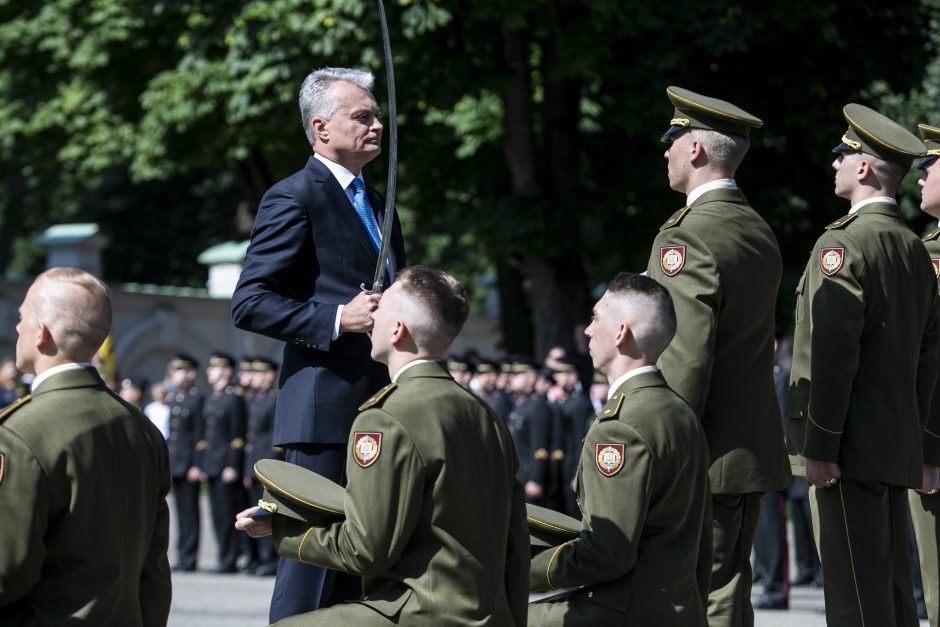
1	467
830	260
608	458
671	259
366	447
936	266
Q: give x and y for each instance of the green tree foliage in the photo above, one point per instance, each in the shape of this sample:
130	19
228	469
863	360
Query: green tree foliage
529	130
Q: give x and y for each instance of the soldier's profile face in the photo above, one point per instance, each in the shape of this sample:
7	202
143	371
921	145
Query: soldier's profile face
930	189
601	331
383	322
677	161
27	330
844	168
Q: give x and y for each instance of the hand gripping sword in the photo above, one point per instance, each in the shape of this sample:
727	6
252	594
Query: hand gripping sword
388	219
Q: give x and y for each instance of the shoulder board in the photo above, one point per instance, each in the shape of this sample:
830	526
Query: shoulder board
932	235
237	443
675	219
612	409
14	406
841	222
378	397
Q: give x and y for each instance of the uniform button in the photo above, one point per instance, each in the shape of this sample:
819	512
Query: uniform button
591	594
185	412
176	411
180	397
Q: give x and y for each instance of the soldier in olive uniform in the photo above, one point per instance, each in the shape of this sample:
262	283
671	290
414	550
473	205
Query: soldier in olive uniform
221	454
926	505
435	522
530	424
186	435
259	444
83	476
721	264
643	554
865	361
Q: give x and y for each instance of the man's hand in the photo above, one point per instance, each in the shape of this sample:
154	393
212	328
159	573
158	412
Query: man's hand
229	475
193	475
533	490
357	313
254	527
822	474
931	481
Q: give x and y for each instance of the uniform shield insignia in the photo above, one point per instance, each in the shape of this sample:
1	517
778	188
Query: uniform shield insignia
671	259
1	467
936	266
366	448
830	260
609	458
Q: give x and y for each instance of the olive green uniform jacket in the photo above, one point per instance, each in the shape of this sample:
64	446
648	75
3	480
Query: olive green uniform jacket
722	358
866	351
645	543
84	517
435	520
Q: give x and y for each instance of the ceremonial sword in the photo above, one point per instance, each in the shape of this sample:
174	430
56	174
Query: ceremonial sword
388	218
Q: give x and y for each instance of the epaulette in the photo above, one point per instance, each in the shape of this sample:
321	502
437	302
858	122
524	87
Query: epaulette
14	406
202	445
378	397
612	410
675	219
841	222
932	235
237	443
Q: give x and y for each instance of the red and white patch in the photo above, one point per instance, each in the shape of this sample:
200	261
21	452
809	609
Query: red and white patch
1	467
830	260
671	259
366	447
936	266
609	458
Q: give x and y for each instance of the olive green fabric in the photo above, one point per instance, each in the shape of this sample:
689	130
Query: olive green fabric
861	528
924	511
865	361
931	136
645	541
926	507
704	112
721	359
866	351
299	493
876	134
435	521
735	518
85	524
548	527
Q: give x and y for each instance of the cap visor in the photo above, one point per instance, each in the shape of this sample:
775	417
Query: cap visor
843	148
926	161
667	136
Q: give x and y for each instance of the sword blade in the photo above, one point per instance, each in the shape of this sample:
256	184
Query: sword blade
388	218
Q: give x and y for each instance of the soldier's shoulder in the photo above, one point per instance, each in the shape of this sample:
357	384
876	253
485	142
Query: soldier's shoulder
378	399
843	222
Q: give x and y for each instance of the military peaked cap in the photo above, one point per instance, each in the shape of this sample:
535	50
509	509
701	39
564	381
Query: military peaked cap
710	114
878	135
931	135
550	528
299	493
183	361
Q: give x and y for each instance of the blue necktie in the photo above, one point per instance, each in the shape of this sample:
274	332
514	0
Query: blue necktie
365	213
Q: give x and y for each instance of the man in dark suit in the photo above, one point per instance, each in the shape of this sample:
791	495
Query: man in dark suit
314	244
83	475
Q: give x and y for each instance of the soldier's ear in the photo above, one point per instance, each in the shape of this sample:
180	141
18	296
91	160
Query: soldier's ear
623	334
44	340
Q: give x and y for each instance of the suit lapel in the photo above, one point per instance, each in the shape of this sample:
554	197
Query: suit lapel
341	206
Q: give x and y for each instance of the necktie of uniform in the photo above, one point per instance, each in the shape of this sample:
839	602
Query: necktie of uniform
365	213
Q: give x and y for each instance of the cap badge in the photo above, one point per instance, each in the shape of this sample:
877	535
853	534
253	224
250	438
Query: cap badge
366	448
936	266
609	458
671	259
830	260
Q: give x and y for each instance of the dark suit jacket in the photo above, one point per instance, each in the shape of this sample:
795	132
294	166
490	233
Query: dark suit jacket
83	484
309	253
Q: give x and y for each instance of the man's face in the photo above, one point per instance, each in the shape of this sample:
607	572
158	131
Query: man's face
930	189
677	162
178	376
354	130
845	167
383	323
524	382
602	333
27	330
217	374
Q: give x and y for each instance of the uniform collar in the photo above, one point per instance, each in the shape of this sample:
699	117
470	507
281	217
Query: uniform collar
869	201
709	186
45	374
626	377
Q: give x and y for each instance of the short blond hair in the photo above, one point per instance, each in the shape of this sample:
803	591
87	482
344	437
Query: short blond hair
76	308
